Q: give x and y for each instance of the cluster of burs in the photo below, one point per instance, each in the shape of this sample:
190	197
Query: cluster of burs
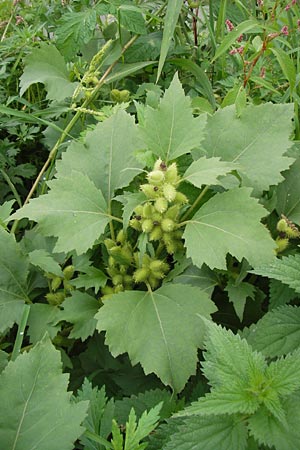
157	217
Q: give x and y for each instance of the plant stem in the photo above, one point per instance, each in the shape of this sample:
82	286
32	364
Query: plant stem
12	187
20	334
195	204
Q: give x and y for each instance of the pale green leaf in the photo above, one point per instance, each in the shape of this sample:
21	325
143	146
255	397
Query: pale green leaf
45	261
257	141
288	194
132	19
106	156
13	280
278	332
206	171
135	432
3	360
286	270
284	374
5	212
74	211
46	65
36	411
171	130
170	20
157	345
79	309
210	433
238	294
130	201
286	64
40	320
229	222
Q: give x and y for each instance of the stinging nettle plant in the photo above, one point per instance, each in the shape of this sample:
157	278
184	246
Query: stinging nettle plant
138	226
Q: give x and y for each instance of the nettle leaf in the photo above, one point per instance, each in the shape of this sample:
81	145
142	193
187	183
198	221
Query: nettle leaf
278	332
46	65
157	345
107	154
267	430
36	411
257	141
171	130
75	29
42	259
286	270
13	280
206	171
74	211
215	432
229	223
238	294
284	374
279	294
288	194
79	309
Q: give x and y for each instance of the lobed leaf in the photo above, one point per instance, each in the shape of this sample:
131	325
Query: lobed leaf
207	171
286	270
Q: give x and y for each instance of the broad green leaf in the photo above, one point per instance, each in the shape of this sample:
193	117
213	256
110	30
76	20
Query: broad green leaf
279	294
46	65
132	19
278	332
3	360
203	278
287	66
257	141
36	411
288	194
5	212
267	430
13	280
228	223
106	156
157	345
171	130
44	260
210	433
79	309
41	319
232	36
238	294
170	20
74	211
206	171
75	29
286	270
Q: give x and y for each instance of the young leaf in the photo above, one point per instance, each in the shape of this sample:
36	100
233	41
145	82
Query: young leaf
74	211
286	270
238	294
257	141
135	432
108	152
13	277
278	332
45	261
206	171
171	17
171	130
284	374
228	223
130	200
157	345
91	278
79	309
215	432
36	411
46	65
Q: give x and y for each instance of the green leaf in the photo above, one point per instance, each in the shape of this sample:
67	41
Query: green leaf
130	200
40	320
287	66
266	429
45	261
135	432
279	294
278	332
206	171
203	278
13	280
79	309
210	433
288	198
106	156
170	20
92	278
3	360
75	29
74	211
132	19
157	345
284	374
261	134
5	212
286	270
228	223
46	65
232	36
123	70
36	411
238	294
171	130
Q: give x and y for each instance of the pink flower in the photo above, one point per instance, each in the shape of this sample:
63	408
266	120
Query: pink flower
294	2
229	25
240	50
240	38
287	7
285	30
233	51
260	3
